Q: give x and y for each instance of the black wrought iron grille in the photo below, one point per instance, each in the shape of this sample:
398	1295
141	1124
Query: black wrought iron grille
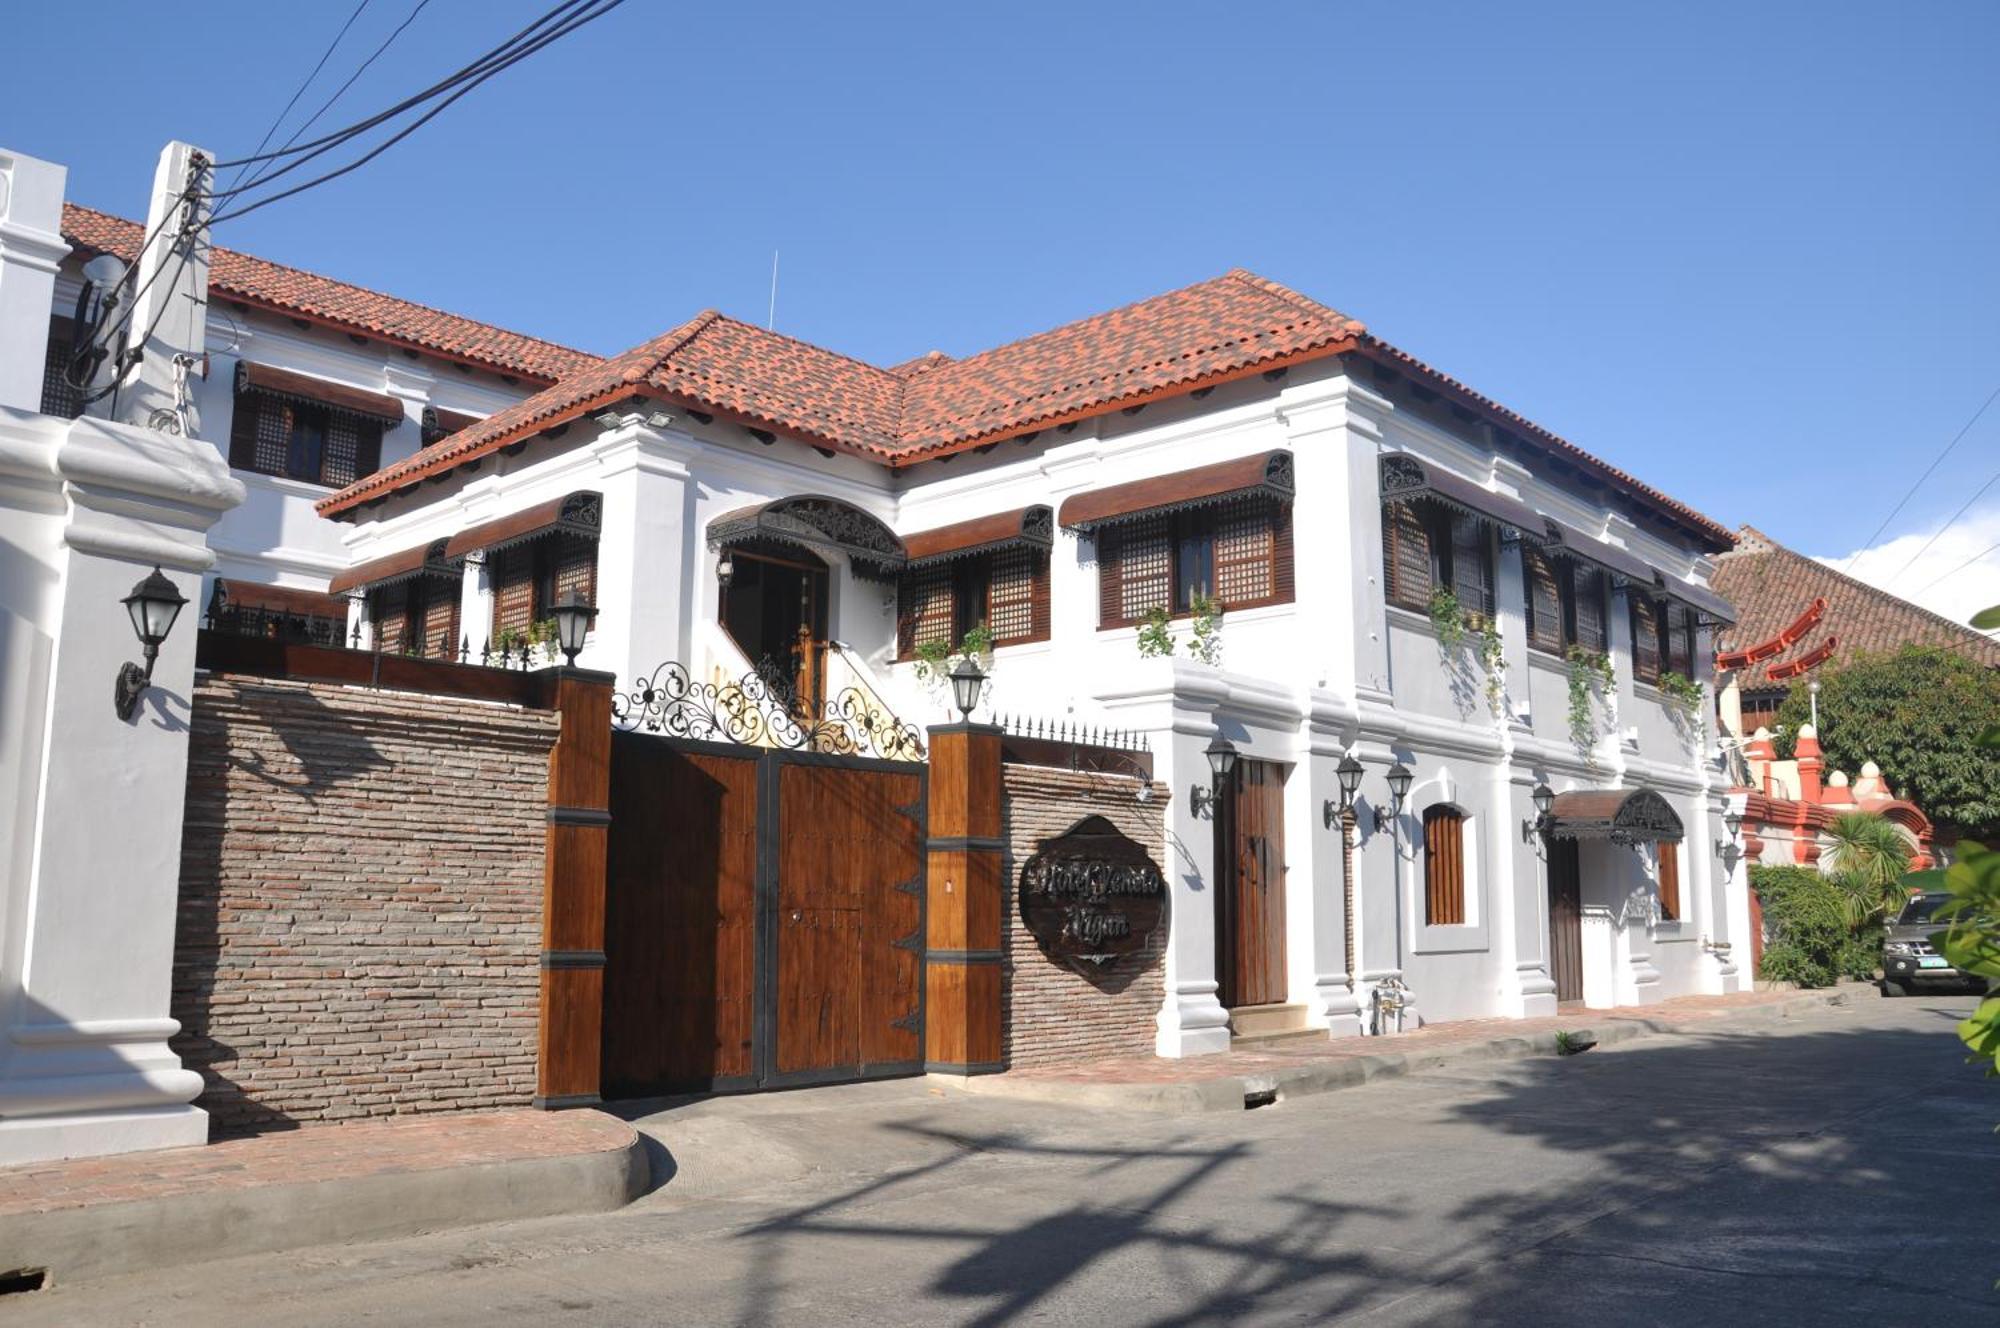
755	711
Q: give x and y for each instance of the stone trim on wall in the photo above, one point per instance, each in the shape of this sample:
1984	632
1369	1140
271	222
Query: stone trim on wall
360	919
1053	1014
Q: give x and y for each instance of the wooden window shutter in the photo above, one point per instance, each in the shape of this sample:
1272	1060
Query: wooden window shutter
1014	580
1284	585
1110	579
389	612
1143	552
1670	880
439	638
1246	554
511	574
1645	638
1589	591
1444	867
575	568
59	399
1545	631
1408	556
1679	649
1039	631
1471	568
924	607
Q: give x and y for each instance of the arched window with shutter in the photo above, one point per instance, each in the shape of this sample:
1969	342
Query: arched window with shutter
1670	881
1444	867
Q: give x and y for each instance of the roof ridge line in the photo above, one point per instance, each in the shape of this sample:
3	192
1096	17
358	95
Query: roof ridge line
801	341
1883	591
350	285
1304	303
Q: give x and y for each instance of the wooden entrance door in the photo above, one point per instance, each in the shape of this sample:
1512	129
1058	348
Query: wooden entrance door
848	935
763	918
1250	904
775	609
1565	919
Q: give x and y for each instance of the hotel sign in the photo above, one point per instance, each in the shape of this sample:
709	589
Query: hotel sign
1090	895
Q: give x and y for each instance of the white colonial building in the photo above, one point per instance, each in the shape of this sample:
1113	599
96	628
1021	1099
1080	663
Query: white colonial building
1408	575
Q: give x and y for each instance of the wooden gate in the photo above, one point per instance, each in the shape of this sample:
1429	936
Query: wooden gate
1565	919
1250	907
764	917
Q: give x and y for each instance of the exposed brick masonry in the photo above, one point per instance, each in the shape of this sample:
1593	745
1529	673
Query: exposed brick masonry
1053	1014
360	910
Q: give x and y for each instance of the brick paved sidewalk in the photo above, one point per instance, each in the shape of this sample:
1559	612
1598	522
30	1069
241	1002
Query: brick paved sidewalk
283	1190
1316	1065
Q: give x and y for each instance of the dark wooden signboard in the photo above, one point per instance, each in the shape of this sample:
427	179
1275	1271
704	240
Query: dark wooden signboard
1090	895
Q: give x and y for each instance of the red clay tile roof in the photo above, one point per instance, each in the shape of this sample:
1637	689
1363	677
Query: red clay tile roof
297	294
1770	586
1211	332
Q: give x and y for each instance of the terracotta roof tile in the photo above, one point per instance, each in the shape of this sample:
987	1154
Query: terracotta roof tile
1770	586
300	294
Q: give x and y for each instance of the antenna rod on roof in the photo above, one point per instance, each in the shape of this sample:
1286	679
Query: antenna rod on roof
771	318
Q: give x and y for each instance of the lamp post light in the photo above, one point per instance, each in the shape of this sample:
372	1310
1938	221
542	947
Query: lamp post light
1544	799
1221	754
966	683
154	604
1812	694
1349	774
1400	780
573	619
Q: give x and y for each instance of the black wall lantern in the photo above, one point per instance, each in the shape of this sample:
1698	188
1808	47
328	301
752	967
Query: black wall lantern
1400	780
1732	821
725	570
573	619
1221	755
1348	772
1545	798
154	604
966	683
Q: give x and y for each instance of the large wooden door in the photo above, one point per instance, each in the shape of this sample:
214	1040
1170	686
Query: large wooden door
1565	919
763	918
848	938
1250	907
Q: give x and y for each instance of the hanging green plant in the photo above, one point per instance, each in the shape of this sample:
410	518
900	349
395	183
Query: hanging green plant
1155	640
935	659
931	658
1206	643
1449	620
1493	659
1685	696
1589	670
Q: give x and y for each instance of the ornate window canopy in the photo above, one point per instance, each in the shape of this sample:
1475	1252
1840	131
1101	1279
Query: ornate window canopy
423	560
1032	527
1405	477
821	525
266	380
579	513
1268	473
1623	816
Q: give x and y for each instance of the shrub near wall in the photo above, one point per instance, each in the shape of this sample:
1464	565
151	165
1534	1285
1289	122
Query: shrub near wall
1811	943
1053	1013
360	905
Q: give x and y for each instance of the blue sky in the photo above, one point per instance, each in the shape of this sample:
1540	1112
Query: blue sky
1744	251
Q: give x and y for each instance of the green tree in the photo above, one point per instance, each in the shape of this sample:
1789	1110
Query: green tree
1918	714
1867	861
1971	938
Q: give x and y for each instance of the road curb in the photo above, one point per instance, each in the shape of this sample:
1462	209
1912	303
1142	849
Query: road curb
100	1239
1308	1078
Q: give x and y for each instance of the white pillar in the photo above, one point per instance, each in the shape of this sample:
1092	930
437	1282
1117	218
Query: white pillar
648	552
86	967
1315	909
31	248
169	315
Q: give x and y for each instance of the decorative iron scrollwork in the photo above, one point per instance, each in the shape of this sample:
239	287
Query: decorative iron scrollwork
754	712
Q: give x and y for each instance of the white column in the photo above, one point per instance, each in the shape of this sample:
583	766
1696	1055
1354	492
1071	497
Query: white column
649	552
1173	703
31	248
169	295
1315	909
89	915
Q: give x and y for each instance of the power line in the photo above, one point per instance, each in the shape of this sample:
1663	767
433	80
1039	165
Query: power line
1981	493
325	55
338	93
508	62
1848	566
1983	553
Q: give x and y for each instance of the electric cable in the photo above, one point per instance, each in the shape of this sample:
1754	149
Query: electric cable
1848	566
1939	532
325	55
572	25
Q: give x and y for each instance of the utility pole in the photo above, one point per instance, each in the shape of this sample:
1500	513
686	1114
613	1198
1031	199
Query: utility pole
165	344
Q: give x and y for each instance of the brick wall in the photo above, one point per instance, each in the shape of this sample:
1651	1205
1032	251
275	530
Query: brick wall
360	904
1053	1013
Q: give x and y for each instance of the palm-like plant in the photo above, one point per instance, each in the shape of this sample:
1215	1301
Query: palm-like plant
1867	861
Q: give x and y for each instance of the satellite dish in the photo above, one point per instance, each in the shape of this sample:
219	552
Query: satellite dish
103	276
104	271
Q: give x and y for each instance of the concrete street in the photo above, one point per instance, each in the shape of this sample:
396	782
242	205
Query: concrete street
1837	1168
